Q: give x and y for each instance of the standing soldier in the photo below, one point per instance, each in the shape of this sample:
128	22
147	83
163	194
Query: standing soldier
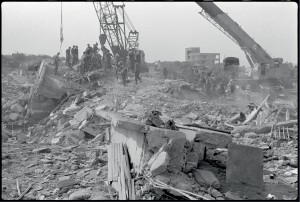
131	59
73	56
76	55
95	48
108	59
68	55
165	72
137	72
56	61
123	73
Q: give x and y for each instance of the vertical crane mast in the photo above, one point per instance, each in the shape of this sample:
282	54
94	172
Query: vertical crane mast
112	19
113	25
254	52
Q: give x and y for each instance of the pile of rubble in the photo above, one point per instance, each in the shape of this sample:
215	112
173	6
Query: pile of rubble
93	143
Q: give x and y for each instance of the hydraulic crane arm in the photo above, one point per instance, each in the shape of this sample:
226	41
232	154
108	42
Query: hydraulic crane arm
254	52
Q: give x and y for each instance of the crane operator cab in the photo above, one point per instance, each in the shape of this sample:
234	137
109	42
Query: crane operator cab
231	67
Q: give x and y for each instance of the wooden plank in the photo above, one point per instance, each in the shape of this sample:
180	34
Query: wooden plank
124	190
132	190
119	189
109	178
115	165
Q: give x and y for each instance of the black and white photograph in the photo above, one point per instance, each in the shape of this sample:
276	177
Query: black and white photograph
149	100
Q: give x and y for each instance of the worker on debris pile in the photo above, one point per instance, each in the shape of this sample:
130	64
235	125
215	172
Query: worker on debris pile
170	124
86	62
88	49
56	61
94	61
154	119
123	73
95	48
131	59
117	58
165	72
73	56
76	55
68	55
108	56
137	72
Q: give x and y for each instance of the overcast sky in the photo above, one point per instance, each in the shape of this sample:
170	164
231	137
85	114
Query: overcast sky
166	28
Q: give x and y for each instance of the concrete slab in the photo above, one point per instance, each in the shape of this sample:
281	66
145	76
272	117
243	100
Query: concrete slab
244	165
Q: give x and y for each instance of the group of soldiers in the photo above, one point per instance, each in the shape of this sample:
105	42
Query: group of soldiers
132	62
92	60
211	85
72	56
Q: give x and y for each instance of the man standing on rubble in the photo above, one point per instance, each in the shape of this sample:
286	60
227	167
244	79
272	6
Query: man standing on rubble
95	48
137	72
76	55
68	55
108	59
131	59
73	56
165	72
56	61
123	73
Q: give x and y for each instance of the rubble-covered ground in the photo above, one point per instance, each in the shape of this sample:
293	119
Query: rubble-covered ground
61	158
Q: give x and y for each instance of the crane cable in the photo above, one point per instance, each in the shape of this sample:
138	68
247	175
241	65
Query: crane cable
133	28
61	28
126	23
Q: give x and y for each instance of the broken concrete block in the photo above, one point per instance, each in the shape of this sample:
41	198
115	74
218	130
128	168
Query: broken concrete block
82	194
156	137
16	108
48	84
232	196
160	164
206	178
66	183
209	197
74	123
13	116
251	135
154	156
71	109
215	193
244	165
83	114
192	116
176	153
194	156
42	150
213	138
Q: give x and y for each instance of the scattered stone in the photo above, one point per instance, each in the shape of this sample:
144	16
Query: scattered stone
220	198
244	165
82	194
206	178
232	196
42	150
237	135
98	196
209	197
251	135
66	183
17	108
13	116
160	164
215	193
38	171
